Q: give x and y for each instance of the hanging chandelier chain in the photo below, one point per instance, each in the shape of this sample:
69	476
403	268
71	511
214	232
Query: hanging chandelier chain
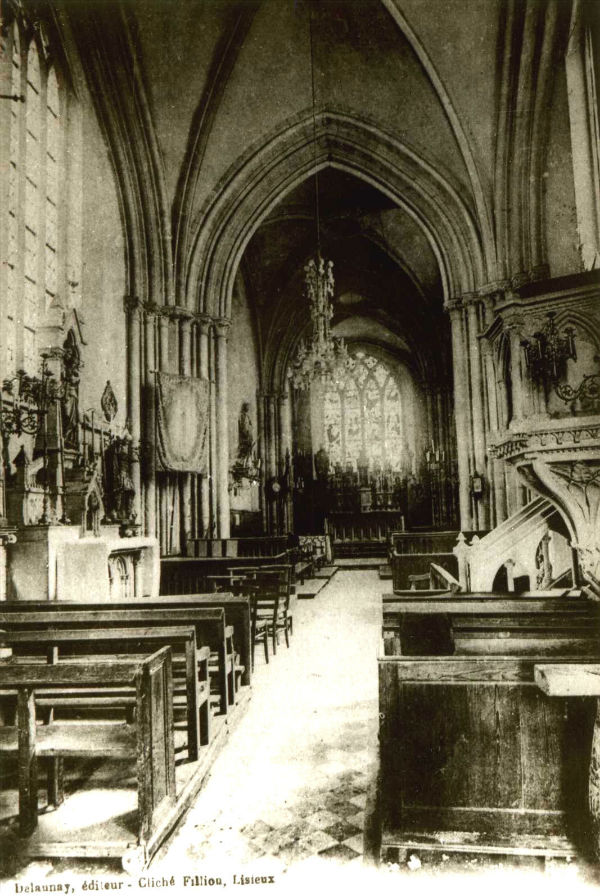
314	124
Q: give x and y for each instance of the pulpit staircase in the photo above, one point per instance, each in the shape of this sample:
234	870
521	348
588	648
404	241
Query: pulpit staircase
514	543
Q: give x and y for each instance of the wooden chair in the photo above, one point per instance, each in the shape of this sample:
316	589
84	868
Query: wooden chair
271	592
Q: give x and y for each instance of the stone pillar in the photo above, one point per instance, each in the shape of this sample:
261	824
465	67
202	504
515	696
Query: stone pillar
134	309
262	453
285	453
482	504
185	369
461	412
163	323
221	331
272	455
204	329
150	423
212	481
547	565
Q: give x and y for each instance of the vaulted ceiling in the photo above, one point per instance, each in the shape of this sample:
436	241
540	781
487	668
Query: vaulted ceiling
422	112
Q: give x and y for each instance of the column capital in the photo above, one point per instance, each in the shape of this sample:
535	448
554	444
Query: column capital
177	312
513	324
203	322
133	305
454	305
494	289
152	309
221	326
470	299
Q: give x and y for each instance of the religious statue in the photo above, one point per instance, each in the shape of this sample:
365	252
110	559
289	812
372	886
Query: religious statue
322	464
70	400
120	488
245	437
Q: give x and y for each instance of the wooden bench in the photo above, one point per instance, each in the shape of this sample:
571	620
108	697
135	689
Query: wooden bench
191	684
209	624
507	636
188	575
474	758
148	743
412	626
237	614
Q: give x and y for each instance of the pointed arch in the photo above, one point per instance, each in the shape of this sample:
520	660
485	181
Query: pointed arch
266	173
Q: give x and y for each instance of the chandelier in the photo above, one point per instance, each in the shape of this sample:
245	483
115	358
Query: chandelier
323	357
548	350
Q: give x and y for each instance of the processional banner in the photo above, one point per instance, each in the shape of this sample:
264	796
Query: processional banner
182	423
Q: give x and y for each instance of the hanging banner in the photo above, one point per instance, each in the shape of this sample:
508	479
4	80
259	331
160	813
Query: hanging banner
182	423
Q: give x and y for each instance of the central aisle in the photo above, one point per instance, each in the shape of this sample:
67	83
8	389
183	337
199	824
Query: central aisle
292	781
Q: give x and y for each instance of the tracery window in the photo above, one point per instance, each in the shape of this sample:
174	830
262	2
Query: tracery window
363	417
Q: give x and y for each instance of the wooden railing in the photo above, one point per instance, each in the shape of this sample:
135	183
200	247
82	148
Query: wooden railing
263	546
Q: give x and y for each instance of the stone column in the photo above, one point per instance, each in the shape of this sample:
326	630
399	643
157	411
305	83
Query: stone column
133	308
150	423
163	324
461	412
221	331
482	504
185	369
272	454
212	480
285	452
262	453
204	329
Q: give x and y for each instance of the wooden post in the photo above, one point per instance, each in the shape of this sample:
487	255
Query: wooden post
28	779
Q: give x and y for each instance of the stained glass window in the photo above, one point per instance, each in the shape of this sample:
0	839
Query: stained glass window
363	417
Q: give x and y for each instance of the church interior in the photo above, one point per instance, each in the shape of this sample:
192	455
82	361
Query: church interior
300	434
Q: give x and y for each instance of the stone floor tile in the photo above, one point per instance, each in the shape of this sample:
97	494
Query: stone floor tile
359	800
339	852
317	841
356	843
358	820
322	819
341	830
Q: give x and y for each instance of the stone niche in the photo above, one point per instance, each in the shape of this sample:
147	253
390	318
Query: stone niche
62	563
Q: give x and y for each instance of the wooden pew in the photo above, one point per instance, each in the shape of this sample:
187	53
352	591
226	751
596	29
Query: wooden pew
95	644
209	624
188	575
475	758
148	743
507	635
413	626
236	606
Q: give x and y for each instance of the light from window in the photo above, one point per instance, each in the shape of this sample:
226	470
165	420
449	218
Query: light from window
362	420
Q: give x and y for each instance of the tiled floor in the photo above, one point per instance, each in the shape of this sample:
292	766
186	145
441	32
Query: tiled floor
292	782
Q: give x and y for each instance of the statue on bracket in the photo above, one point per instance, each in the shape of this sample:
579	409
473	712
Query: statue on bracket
119	486
246	465
70	402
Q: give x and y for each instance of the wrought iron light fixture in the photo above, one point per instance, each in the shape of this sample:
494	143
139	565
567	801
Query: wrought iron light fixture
324	357
548	350
546	354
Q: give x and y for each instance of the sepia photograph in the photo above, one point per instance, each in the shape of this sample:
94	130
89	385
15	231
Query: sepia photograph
299	447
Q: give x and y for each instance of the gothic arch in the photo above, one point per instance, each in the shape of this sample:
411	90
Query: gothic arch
266	173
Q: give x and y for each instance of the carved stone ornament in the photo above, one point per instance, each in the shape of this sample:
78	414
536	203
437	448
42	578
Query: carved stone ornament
109	403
